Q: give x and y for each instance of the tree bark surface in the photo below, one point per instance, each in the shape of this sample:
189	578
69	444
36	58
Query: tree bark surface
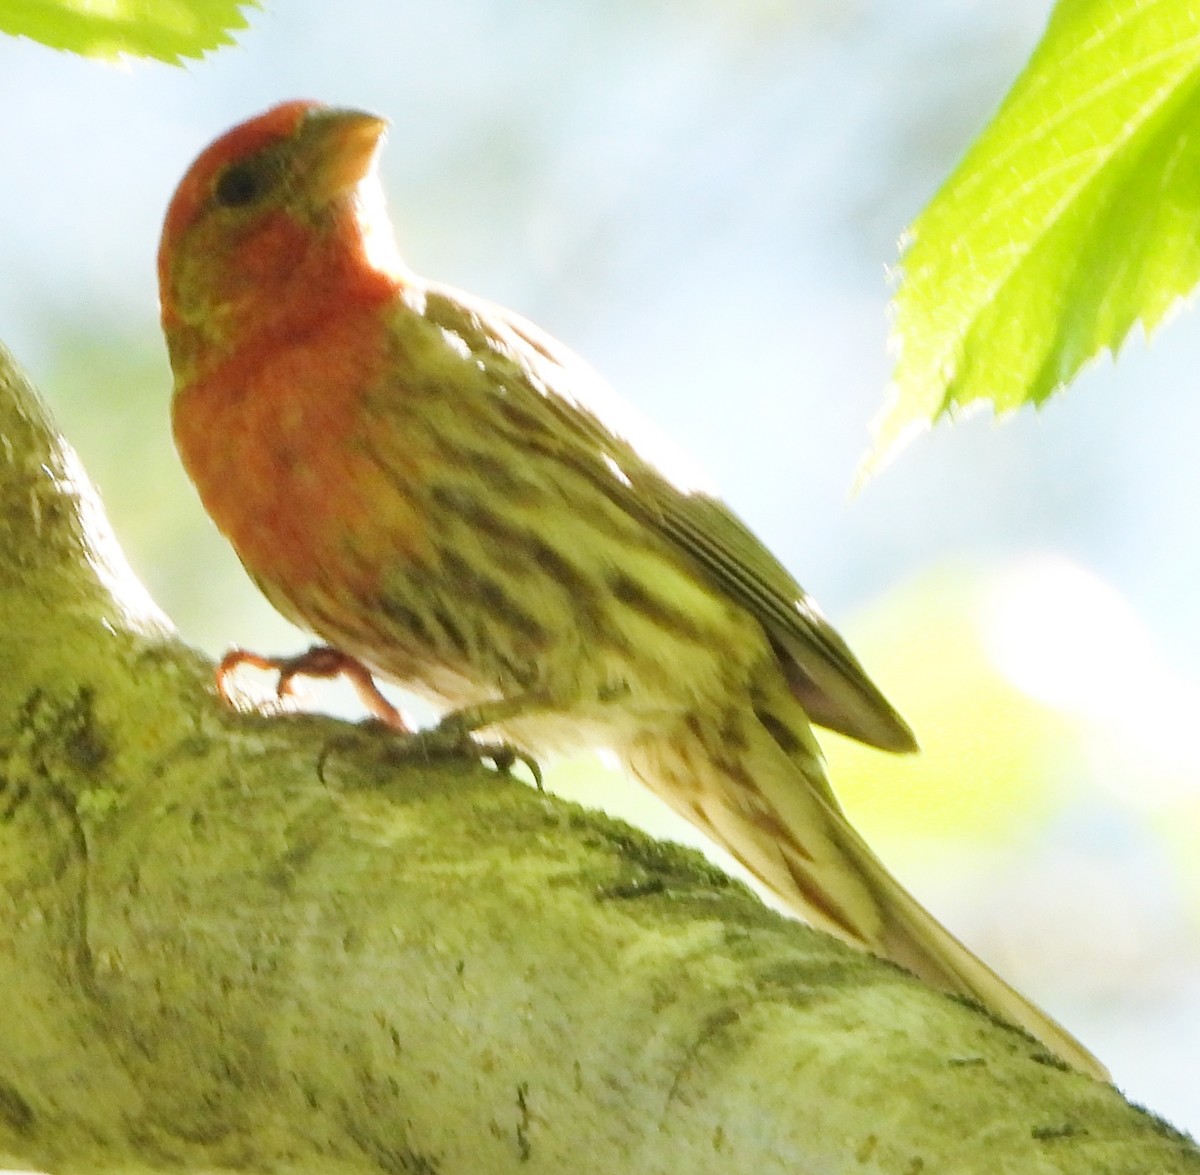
251	943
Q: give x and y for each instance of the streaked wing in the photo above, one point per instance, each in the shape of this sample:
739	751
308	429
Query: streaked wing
823	673
821	670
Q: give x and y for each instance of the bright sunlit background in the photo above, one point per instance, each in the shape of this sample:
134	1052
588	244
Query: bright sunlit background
703	199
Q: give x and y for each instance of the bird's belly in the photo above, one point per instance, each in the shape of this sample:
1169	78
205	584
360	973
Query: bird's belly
584	611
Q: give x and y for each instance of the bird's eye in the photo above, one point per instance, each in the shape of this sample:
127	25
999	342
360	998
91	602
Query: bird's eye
239	185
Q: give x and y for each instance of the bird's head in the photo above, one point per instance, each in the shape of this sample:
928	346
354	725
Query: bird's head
274	219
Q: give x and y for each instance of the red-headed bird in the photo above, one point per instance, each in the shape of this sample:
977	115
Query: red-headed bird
444	494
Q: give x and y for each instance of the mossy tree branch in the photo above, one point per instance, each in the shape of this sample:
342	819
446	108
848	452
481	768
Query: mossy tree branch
272	944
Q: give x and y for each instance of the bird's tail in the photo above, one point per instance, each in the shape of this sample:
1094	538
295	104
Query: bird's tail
758	788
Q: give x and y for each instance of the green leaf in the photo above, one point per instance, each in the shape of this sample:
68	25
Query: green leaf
110	29
1075	215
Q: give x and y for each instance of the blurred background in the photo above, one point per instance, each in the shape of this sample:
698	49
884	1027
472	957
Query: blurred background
704	199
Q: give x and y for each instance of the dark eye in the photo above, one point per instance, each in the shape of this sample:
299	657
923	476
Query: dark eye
240	184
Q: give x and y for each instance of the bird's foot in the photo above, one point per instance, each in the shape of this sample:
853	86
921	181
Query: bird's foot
450	739
453	736
320	661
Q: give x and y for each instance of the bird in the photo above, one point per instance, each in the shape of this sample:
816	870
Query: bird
450	500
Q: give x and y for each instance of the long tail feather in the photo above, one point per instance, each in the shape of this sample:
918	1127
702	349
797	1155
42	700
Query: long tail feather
769	808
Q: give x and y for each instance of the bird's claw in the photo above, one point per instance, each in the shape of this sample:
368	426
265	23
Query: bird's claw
452	737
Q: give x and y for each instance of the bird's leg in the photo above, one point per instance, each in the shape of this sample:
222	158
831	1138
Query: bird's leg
467	719
320	661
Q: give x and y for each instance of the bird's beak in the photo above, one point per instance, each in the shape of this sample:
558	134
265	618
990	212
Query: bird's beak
340	147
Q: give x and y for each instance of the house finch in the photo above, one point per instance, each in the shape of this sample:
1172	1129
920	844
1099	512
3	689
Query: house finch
451	501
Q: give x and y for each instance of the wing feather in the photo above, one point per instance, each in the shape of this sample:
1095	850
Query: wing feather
587	426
